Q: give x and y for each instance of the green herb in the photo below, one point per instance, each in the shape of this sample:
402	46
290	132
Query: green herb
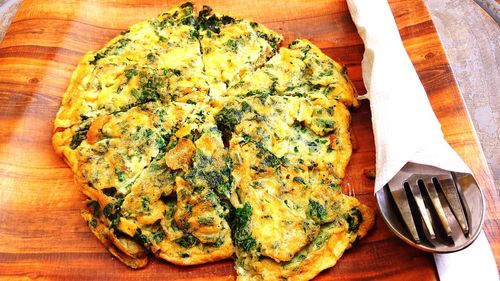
268	158
207	23
187	241
321	239
335	186
325	123
227	119
317	211
120	45
227	20
160	143
172	144
217	243
187	5
190	20
262	94
322	141
206	220
112	211
93	223
145	203
159	236
327	72
94	207
150	88
97	57
354	219
129	73
79	137
169	72
272	40
232	44
246	139
148	132
151	57
242	234
135	93
245	107
313	146
299	180
120	174
272	160
189	208
143	239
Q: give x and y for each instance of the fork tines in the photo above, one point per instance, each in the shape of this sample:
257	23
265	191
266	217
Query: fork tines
430	205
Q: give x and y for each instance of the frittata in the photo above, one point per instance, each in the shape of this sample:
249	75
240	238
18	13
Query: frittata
197	139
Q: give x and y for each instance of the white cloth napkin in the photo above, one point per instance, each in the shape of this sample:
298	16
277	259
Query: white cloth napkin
475	262
405	126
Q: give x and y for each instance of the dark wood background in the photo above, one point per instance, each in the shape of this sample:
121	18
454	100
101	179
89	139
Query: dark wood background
42	235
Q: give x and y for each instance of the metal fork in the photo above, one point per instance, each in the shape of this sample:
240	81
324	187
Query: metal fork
433	209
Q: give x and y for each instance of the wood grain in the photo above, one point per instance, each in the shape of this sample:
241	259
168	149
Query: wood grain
42	234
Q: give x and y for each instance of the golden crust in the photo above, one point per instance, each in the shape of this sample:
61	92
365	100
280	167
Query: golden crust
182	122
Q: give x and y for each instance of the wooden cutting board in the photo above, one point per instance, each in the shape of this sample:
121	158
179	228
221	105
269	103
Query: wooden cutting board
42	235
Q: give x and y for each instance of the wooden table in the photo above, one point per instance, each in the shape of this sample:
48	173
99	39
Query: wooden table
42	235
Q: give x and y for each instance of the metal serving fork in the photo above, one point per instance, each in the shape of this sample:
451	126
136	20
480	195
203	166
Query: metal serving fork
433	209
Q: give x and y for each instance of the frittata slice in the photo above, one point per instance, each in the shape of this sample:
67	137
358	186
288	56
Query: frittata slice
158	59
232	48
289	156
159	179
301	70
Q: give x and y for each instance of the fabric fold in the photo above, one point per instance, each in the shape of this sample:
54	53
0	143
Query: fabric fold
404	125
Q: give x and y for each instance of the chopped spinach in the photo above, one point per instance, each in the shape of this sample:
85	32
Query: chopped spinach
354	219
158	236
190	20
92	223
143	239
169	72
187	241
245	107
151	57
145	203
97	57
227	20
206	220
299	180
227	119
335	186
129	73
232	44
317	211
79	136
120	45
246	139
329	124
242	234
187	5
94	207
120	174
112	211
268	158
